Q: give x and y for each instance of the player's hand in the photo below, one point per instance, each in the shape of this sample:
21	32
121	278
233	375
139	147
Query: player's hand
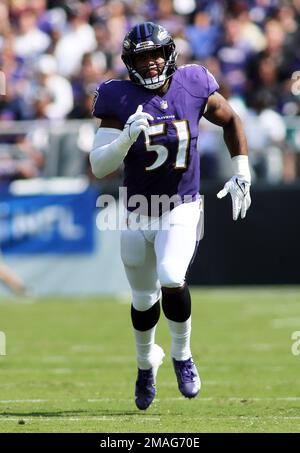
137	123
238	187
239	190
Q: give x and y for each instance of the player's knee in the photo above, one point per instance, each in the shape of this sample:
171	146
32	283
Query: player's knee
169	276
143	300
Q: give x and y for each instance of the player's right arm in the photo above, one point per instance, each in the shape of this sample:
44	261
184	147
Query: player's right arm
111	143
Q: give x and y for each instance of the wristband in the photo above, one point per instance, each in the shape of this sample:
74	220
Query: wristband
240	166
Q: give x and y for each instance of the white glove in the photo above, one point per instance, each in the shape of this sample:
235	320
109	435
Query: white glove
238	187
137	123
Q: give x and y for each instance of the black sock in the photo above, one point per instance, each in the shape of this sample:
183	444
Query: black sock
145	320
176	303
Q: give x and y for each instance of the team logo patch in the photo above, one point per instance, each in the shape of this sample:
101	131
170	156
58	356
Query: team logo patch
164	105
126	44
162	34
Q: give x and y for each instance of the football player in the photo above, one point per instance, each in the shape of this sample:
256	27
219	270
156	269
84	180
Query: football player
150	123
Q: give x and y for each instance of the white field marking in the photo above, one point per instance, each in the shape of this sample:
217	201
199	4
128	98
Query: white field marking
265	366
104	418
34	369
73	400
91	356
285	322
61	370
257	418
121	359
177	398
30	384
262	347
54	358
87	348
103	400
129	360
238	399
23	401
140	419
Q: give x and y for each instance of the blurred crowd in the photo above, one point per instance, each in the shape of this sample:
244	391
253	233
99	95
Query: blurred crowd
55	53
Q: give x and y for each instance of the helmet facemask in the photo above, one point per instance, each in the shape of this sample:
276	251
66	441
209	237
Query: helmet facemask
132	48
164	70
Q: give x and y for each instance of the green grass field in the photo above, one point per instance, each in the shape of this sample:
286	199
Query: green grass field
70	366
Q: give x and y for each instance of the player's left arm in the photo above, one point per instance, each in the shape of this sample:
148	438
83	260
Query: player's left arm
219	112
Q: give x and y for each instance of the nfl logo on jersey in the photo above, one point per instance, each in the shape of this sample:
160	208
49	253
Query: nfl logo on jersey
164	105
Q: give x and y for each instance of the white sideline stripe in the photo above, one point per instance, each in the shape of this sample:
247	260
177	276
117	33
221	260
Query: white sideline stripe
138	418
177	398
285	322
23	401
77	419
244	399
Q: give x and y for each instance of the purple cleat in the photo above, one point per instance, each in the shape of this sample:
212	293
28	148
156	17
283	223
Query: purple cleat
145	389
187	377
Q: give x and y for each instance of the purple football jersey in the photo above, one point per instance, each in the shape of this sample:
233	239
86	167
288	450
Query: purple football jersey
166	161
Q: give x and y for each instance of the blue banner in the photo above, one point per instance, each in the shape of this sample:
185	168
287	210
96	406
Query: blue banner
57	224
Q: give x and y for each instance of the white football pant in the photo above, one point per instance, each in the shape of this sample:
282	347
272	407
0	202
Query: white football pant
157	254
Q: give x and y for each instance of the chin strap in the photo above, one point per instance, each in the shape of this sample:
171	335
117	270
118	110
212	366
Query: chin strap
154	86
153	83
